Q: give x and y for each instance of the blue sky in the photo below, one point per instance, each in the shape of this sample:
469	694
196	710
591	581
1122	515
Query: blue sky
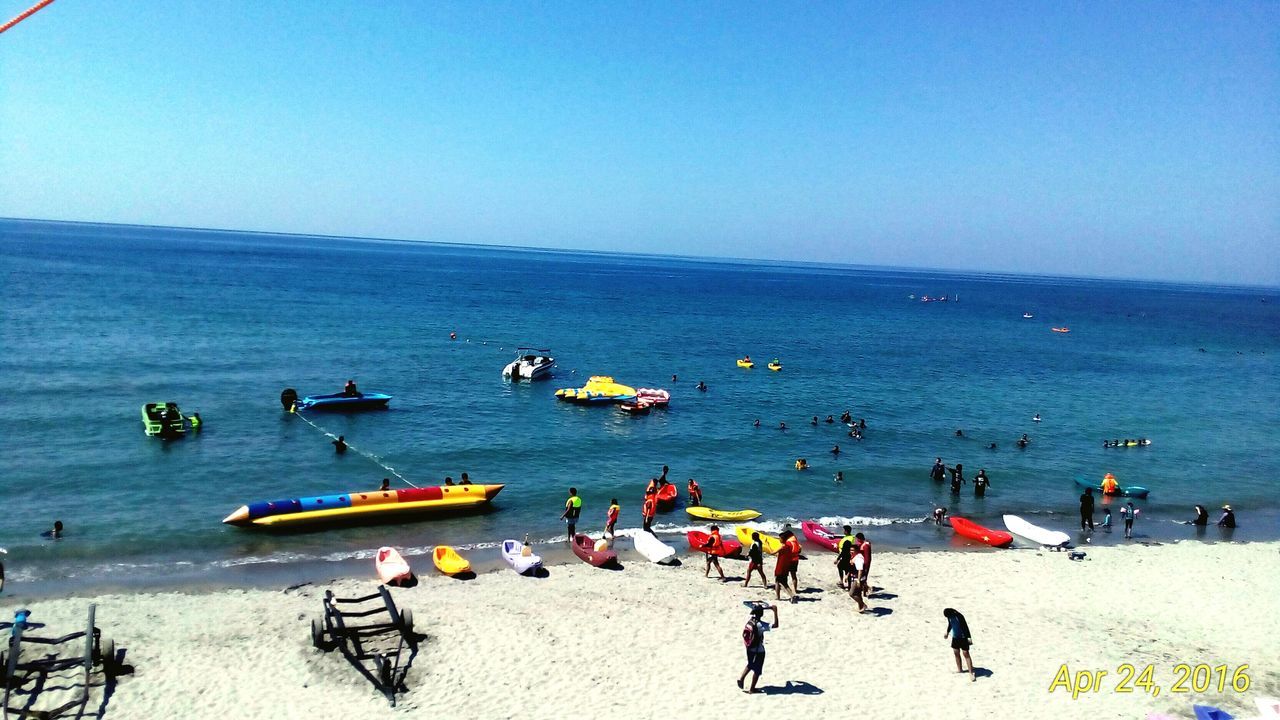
1134	139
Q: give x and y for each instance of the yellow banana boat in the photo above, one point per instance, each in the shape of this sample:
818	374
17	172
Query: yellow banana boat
448	561
702	512
746	364
770	543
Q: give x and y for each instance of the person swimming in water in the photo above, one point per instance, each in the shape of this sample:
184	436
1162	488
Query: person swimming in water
814	421
702	386
1023	441
992	446
782	426
340	445
959	432
846	418
839	477
1036	418
835	450
55	533
756	423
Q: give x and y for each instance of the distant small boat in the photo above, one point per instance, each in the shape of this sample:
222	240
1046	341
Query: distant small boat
342	402
585	548
1027	316
635	407
1062	329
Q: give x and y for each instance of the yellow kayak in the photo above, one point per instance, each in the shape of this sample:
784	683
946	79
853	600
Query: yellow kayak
746	364
702	512
770	543
448	561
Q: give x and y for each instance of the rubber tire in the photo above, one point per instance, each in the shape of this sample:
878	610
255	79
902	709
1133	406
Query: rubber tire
317	635
406	620
109	666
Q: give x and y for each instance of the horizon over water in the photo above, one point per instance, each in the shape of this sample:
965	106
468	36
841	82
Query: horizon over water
98	319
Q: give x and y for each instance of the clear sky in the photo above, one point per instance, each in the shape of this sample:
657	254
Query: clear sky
1131	139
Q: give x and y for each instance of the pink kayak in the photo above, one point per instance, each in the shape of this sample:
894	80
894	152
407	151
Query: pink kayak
821	535
392	568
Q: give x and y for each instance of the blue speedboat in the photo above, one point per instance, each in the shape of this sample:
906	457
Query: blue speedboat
342	402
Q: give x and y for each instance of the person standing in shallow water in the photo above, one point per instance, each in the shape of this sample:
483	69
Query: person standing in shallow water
572	509
980	483
1086	509
939	471
958	630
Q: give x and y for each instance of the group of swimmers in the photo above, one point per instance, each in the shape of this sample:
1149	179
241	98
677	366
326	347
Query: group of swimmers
939	474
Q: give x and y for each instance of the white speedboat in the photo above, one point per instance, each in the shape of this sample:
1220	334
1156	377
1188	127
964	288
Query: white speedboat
529	367
1027	316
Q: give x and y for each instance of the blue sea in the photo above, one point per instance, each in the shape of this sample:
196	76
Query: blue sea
98	319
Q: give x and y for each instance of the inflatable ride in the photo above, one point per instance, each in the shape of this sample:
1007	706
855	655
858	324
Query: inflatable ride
702	512
1061	329
448	561
599	389
1135	491
775	366
973	531
667	495
769	543
656	397
822	535
728	546
362	507
585	548
520	557
746	364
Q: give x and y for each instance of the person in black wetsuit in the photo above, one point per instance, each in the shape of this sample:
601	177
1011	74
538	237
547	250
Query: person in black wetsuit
1086	509
939	471
1023	441
1202	517
386	485
702	386
340	445
957	478
981	483
350	389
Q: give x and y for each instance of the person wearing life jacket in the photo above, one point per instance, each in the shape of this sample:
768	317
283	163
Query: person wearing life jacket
611	517
695	493
755	561
572	509
787	558
712	549
1109	485
802	464
652	487
648	509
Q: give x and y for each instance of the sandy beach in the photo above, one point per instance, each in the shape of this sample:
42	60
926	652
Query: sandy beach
650	641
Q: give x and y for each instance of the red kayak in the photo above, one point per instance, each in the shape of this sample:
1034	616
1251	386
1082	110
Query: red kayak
667	498
585	548
974	531
821	535
728	546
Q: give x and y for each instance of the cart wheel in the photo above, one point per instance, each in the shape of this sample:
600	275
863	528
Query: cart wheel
384	670
110	667
406	620
317	635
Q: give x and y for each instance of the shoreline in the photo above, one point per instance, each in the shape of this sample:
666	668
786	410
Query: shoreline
595	631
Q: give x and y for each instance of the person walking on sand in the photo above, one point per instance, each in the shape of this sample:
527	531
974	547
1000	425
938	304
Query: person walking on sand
782	570
864	550
844	557
755	561
1130	513
611	517
572	509
958	630
1086	509
789	536
753	639
711	548
855	587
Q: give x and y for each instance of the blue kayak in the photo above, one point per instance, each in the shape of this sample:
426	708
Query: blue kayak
341	402
1136	491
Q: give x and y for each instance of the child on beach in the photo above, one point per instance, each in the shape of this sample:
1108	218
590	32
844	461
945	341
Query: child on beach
611	517
1106	519
1129	512
755	561
753	638
939	514
958	629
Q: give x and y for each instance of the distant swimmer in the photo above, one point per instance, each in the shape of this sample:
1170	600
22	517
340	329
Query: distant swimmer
1036	418
782	426
992	446
673	378
839	477
814	421
846	418
830	420
350	389
959	433
756	423
939	514
1202	517
340	445
702	386
1228	519
835	450
802	464
1023	441
862	423
55	533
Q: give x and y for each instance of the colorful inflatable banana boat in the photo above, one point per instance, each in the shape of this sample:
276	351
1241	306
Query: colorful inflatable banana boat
357	507
599	388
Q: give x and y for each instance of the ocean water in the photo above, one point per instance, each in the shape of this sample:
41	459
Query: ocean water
97	320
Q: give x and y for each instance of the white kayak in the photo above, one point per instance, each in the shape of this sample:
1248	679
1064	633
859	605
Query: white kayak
653	549
392	568
1035	533
513	552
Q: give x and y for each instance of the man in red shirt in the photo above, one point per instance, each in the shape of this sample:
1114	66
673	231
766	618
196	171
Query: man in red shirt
649	509
788	558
